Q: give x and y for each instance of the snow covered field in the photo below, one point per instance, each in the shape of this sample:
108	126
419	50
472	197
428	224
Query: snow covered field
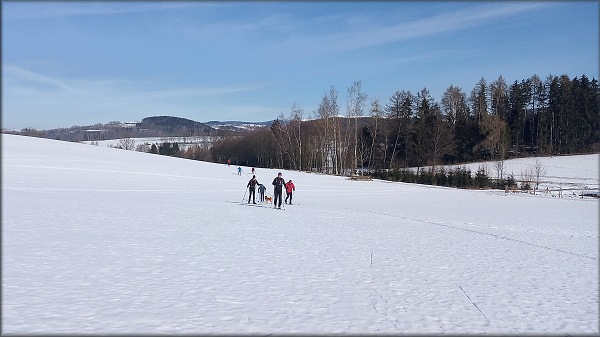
183	142
101	240
569	175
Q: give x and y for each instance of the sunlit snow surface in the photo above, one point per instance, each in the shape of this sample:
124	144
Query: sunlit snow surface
102	240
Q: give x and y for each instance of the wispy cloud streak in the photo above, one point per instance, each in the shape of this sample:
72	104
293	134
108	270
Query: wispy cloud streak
35	94
435	25
16	76
21	11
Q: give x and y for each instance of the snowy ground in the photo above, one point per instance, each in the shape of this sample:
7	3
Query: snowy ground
101	240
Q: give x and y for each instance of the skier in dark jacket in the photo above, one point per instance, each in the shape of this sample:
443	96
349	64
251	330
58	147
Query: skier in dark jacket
252	185
278	183
261	192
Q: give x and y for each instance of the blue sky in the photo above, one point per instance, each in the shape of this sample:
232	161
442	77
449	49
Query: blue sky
80	63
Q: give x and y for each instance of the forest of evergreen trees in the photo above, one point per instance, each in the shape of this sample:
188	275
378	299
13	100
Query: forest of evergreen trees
557	115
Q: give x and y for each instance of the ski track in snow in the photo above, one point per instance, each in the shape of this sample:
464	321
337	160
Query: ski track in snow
99	240
481	232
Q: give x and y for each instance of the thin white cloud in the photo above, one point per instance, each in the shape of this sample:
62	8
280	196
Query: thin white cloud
438	24
31	93
36	11
265	28
18	76
14	75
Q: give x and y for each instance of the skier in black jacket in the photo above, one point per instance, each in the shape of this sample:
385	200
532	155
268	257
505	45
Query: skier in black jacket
252	184
278	183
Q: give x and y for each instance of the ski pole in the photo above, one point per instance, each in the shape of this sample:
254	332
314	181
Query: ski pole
244	197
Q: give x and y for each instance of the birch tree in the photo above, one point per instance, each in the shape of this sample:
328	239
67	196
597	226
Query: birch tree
330	137
355	105
376	113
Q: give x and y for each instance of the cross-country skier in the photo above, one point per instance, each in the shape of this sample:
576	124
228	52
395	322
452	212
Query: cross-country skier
261	192
289	188
278	183
239	171
252	185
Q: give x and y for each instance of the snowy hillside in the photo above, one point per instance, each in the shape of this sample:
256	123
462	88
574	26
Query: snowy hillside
105	241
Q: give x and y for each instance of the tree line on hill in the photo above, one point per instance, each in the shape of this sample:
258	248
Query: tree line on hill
554	116
156	126
495	121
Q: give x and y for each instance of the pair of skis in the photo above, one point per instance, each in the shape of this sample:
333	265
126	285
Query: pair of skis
262	206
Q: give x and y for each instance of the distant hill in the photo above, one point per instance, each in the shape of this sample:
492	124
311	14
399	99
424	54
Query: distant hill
155	126
175	126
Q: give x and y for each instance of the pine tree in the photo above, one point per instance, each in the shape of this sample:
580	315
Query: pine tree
424	127
400	113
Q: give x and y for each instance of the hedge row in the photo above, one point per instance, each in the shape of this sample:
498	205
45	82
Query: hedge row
459	177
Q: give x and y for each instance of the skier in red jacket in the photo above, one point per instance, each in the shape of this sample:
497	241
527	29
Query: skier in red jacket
289	188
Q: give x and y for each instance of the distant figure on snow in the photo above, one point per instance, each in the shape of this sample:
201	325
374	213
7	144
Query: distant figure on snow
252	185
228	162
239	171
253	170
278	184
289	188
261	192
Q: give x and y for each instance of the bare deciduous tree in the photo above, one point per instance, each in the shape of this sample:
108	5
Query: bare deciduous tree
127	144
356	100
377	114
499	167
443	137
454	104
330	139
540	171
527	178
287	135
496	136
